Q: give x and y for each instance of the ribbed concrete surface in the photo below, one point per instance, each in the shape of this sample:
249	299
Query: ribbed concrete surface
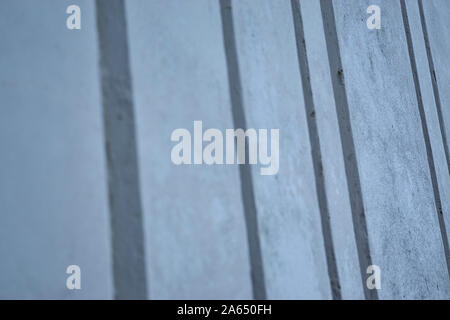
402	221
195	234
86	176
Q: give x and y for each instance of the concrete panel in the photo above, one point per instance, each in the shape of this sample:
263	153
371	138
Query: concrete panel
121	153
53	198
289	220
430	110
196	243
402	223
437	21
332	154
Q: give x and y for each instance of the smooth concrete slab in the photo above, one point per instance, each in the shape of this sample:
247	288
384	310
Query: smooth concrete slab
430	108
53	197
196	242
402	223
332	154
289	220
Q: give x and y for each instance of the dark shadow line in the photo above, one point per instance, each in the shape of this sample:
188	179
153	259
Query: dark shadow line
348	146
315	150
248	198
426	135
127	232
437	97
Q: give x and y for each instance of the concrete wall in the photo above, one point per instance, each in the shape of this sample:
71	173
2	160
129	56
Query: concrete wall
53	192
287	206
390	153
435	24
312	50
86	176
195	233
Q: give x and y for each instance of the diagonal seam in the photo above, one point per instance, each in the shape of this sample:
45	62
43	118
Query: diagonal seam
247	192
315	151
126	219
348	146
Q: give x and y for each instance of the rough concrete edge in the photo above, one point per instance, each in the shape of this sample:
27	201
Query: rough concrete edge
121	152
348	146
426	135
239	121
315	151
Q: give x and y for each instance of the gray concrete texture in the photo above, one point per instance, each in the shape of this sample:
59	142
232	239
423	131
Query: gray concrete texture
390	153
53	192
287	206
332	156
86	176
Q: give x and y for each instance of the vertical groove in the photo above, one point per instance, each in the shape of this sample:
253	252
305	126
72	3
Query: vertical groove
315	150
348	146
251	219
426	135
121	154
437	97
